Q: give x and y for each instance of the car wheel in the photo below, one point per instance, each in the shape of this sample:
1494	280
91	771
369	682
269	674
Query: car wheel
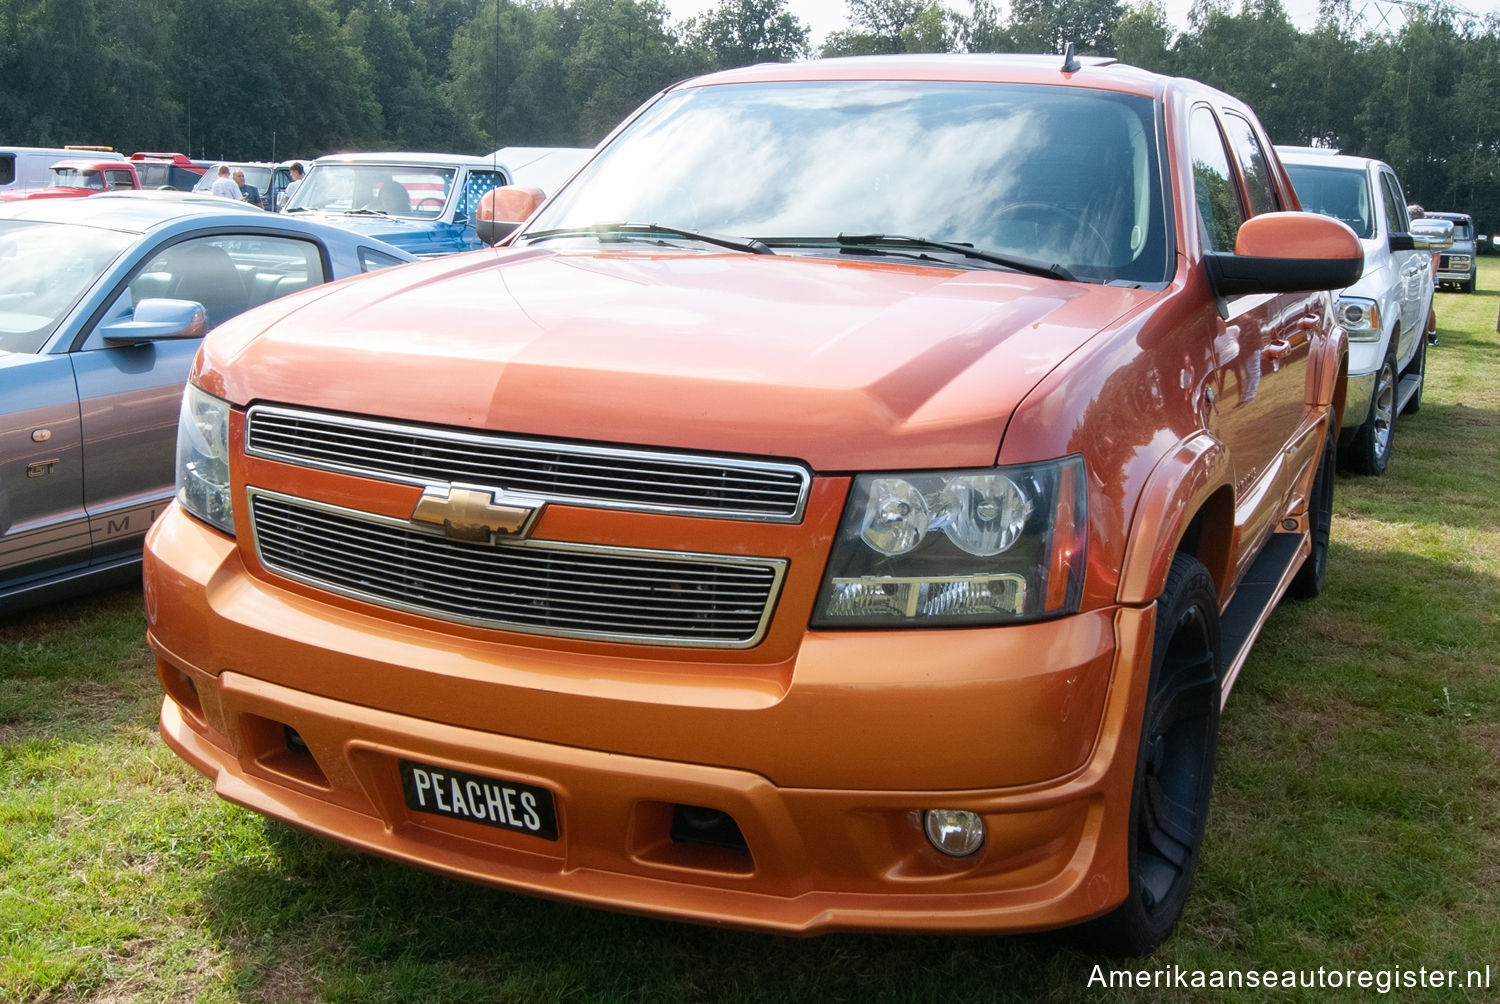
1468	287
1370	453
1311	577
1174	764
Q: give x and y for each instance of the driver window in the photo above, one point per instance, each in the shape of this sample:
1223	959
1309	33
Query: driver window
226	273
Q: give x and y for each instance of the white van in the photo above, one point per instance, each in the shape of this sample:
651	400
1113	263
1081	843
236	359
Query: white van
27	166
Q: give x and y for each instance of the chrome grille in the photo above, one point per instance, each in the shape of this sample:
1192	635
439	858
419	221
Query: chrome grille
571	590
616	478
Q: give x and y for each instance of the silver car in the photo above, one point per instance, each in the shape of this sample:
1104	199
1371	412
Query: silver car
103	302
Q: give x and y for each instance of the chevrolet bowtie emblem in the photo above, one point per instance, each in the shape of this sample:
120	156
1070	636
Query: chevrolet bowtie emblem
477	514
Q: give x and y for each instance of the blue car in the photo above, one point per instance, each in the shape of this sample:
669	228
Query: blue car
103	302
423	202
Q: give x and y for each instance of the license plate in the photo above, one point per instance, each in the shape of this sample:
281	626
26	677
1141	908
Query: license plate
490	801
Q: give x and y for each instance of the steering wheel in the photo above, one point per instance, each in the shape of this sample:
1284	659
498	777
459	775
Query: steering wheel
423	203
1066	223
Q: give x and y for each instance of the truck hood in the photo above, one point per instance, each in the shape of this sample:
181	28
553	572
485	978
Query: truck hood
846	365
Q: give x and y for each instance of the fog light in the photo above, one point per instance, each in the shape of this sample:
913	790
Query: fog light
956	832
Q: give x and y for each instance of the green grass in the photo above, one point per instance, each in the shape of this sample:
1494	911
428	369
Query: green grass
1356	821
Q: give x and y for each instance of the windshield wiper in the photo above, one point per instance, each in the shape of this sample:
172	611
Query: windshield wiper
886	243
638	230
366	211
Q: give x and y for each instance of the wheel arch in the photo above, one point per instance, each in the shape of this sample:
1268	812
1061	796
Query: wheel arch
1187	506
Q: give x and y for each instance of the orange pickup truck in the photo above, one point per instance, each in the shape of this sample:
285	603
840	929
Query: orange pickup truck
844	505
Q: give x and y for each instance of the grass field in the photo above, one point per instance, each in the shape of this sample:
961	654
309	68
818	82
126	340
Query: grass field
1356	822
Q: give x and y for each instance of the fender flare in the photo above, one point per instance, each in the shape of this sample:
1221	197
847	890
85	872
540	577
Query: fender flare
1180	485
1327	383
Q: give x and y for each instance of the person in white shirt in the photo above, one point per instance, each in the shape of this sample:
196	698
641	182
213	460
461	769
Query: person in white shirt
224	185
295	170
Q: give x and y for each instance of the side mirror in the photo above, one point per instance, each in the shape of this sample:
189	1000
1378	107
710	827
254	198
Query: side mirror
158	320
1426	235
1287	253
504	209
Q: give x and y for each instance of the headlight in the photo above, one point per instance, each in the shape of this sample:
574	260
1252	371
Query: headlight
1360	318
203	459
987	546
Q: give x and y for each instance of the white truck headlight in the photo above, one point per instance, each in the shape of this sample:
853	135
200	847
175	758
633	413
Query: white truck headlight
985	546
1360	318
203	459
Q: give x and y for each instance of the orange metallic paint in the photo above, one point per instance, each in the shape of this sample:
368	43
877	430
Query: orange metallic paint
824	745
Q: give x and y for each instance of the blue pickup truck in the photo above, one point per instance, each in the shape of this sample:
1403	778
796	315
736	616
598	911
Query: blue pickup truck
424	203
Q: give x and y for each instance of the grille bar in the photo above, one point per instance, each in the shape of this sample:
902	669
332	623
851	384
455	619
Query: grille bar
563	589
609	477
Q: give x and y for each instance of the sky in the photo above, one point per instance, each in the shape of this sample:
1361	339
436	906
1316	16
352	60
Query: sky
825	16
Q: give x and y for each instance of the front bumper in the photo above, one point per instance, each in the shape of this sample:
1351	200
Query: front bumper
1361	387
822	772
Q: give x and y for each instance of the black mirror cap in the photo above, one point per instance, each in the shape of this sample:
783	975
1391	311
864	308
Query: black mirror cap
1237	275
492	232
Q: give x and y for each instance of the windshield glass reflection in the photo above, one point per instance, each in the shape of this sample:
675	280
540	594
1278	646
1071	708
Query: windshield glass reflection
45	268
1062	175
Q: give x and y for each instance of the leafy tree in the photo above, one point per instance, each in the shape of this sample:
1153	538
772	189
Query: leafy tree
289	82
887	26
414	114
744	32
1048	25
1143	37
509	85
624	54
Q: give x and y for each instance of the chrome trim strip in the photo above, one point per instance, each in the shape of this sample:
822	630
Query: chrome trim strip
660	623
621	478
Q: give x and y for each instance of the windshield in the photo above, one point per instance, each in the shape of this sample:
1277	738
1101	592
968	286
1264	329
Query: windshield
257	177
72	177
1340	192
45	268
411	191
1059	175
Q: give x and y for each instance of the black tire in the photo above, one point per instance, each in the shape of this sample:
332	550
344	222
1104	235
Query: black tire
1313	575
1419	367
1370	453
1174	764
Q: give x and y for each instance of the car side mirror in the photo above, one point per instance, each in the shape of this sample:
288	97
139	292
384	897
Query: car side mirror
157	319
504	209
1287	253
1426	235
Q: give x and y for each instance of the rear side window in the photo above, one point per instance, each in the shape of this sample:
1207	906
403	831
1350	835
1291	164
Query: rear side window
7	169
1219	211
1253	165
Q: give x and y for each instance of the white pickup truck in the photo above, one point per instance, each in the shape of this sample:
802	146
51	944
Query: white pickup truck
1388	312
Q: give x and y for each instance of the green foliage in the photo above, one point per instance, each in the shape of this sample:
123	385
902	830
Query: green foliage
744	32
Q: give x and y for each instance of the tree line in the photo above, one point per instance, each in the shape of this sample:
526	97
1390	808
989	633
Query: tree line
276	79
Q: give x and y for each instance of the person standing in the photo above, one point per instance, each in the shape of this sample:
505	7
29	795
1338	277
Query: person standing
295	170
224	185
247	192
